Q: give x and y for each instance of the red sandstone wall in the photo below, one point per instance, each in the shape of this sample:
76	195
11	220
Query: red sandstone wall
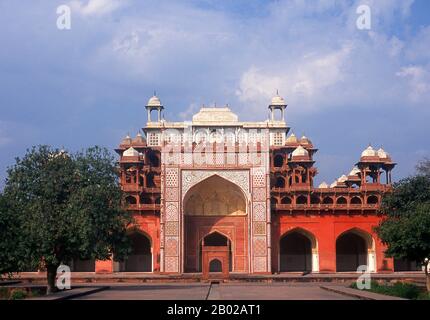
326	229
149	224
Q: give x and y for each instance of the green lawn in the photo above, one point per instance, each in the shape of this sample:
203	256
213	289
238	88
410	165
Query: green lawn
398	289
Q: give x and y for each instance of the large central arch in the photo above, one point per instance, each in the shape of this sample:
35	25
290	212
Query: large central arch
215	204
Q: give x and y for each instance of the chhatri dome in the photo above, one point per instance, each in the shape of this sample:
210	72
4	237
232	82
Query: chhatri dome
300	152
154	101
131	152
369	152
277	101
382	154
291	138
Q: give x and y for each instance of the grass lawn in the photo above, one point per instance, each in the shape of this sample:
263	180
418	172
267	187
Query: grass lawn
398	289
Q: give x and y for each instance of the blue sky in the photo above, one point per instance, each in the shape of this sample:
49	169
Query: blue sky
345	87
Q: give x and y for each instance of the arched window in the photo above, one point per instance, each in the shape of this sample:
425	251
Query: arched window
372	200
341	200
158	200
273	201
355	200
278	161
280	182
130	200
286	200
327	200
302	199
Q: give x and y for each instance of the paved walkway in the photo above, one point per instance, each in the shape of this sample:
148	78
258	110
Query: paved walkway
227	291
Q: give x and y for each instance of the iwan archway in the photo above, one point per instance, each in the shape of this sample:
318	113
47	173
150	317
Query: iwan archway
215	213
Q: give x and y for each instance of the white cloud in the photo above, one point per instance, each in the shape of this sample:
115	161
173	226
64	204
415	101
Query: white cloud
96	7
418	80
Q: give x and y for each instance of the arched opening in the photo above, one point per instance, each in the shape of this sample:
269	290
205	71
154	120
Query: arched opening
212	203
341	200
278	161
140	259
372	200
157	200
154	159
315	199
355	200
273	201
150	180
216	239
298	252
354	248
145	200
215	266
327	200
286	200
280	182
302	199
130	200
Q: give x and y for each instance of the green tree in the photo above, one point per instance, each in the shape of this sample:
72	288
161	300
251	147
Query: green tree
406	228
63	206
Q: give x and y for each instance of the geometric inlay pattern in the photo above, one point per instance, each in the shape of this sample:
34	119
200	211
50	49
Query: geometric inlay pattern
171	211
171	228
259	228
171	177
259	194
259	211
171	246
259	246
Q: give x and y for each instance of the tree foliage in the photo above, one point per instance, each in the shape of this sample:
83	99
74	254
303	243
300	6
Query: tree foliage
62	206
406	228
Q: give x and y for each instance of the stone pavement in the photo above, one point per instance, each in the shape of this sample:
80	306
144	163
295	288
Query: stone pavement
226	291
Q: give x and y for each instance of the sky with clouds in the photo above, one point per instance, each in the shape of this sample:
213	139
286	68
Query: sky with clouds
345	87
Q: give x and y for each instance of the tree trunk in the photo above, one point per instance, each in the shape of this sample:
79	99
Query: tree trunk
51	273
427	276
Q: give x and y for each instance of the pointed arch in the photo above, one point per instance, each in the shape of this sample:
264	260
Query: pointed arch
355	247
298	251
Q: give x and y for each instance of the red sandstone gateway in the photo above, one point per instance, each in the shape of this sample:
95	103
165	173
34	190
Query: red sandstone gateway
219	196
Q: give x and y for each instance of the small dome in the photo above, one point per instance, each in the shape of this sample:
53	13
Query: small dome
323	185
154	101
369	152
278	101
130	152
126	140
334	184
382	154
139	139
305	140
342	178
292	139
300	152
354	171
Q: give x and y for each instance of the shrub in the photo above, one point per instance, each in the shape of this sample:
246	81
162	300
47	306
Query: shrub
17	294
399	289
